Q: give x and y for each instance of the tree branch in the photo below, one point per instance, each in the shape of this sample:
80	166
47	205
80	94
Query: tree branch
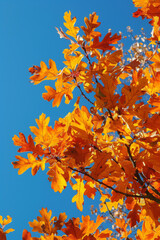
137	174
115	190
89	61
84	95
107	186
139	177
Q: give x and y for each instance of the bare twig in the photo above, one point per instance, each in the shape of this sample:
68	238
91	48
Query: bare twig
85	95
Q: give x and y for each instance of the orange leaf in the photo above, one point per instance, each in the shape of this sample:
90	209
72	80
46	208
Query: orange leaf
69	24
24	164
50	93
78	198
44	224
27	146
107	40
90	190
56	176
58	94
60	222
148	9
72	229
43	72
26	235
88	226
91	25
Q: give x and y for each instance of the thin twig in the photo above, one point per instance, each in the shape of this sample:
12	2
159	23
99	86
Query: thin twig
85	95
89	61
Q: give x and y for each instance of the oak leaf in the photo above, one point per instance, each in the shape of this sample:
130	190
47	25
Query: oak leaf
44	224
91	25
89	226
57	95
56	176
24	164
69	24
43	72
58	223
90	189
26	235
104	45
27	146
134	215
72	229
78	198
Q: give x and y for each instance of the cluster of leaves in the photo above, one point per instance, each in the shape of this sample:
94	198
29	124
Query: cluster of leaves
74	229
3	223
111	146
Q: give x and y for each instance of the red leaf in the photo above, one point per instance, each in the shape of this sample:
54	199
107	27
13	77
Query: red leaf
26	235
107	40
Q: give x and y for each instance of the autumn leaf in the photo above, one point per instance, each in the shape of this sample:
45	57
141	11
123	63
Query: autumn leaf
90	189
44	223
73	153
91	25
89	226
27	146
26	235
82	123
69	24
24	164
3	223
50	93
78	198
43	133
104	45
105	95
134	215
56	176
72	229
58	223
43	72
57	95
72	61
2	235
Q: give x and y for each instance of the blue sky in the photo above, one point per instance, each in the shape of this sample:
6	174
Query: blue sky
28	36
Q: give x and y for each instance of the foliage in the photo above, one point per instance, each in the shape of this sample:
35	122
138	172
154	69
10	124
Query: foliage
111	146
3	223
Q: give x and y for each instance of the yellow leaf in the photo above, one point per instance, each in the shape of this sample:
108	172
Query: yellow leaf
78	198
72	61
56	177
88	226
69	24
24	164
43	72
4	222
9	230
7	221
44	223
43	133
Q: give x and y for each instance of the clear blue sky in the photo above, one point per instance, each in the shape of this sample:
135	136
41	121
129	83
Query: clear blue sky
28	36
